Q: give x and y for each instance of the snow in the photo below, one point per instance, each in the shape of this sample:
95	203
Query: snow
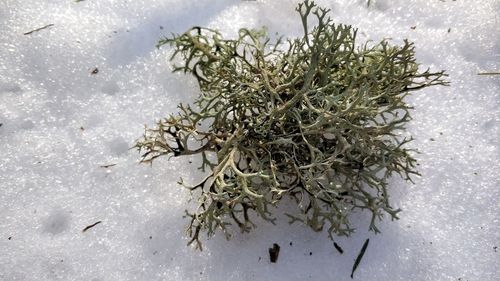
60	124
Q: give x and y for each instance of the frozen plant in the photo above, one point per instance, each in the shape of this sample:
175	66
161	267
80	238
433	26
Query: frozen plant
315	118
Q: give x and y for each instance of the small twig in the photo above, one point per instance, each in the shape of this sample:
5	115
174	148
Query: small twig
90	226
107	166
360	256
38	29
488	73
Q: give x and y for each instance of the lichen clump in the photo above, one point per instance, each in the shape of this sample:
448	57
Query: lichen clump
316	118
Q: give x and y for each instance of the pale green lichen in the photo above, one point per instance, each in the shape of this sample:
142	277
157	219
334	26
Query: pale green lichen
315	118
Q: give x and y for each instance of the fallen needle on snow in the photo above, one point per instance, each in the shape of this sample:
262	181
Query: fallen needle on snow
360	256
90	226
488	73
338	248
38	29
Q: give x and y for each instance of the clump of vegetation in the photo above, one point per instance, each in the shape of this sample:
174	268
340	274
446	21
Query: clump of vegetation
316	118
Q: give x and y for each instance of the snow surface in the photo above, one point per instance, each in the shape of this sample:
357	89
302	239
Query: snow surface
60	123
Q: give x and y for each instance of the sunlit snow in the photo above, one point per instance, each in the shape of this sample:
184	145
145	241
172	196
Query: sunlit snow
76	95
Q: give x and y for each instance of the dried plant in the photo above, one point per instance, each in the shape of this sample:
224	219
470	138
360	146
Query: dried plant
317	118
